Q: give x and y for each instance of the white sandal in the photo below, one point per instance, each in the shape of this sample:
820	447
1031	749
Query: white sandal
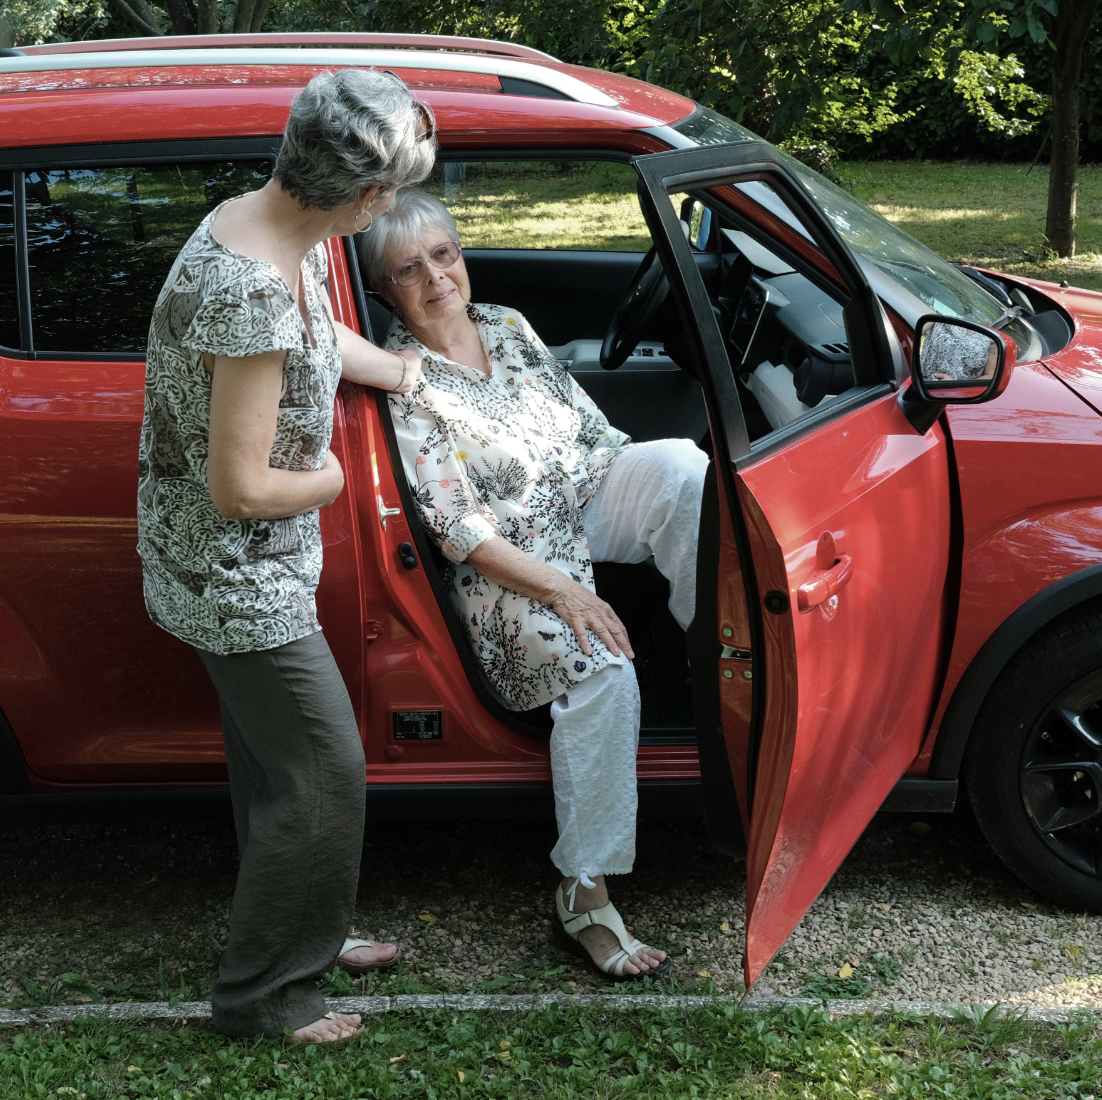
569	925
350	944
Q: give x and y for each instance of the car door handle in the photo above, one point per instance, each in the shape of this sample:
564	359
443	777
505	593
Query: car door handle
832	574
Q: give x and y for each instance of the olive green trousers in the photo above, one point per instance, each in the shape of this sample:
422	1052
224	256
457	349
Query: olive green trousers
297	784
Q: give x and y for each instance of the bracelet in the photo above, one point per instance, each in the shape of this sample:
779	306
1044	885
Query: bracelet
405	373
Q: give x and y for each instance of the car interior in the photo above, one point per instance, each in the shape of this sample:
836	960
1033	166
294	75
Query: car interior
784	331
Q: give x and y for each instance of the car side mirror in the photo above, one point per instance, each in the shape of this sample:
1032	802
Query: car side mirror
954	362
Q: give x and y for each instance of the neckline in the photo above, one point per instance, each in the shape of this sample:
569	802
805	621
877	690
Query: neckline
311	339
438	356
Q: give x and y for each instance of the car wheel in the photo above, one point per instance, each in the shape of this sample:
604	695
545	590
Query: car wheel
1034	763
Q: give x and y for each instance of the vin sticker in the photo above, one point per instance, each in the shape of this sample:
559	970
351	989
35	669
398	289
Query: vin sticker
418	725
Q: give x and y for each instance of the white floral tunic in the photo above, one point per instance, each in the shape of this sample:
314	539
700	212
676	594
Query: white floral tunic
228	585
517	454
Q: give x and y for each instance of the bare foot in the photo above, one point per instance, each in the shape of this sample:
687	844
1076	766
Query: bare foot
331	1028
378	954
598	940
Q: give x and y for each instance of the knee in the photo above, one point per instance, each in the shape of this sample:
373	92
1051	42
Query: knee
683	461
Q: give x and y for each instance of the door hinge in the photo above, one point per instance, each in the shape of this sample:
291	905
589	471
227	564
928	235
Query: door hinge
731	654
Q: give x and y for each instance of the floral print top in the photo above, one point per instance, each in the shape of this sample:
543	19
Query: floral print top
516	454
230	585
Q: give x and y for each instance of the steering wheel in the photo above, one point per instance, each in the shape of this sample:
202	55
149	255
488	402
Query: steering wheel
645	293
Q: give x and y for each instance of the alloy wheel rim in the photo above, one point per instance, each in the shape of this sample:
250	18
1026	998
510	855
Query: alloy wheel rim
1061	775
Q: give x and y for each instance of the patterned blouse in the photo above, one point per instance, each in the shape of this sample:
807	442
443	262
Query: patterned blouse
229	585
517	454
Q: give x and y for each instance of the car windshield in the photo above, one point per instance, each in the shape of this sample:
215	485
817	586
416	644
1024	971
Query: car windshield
910	277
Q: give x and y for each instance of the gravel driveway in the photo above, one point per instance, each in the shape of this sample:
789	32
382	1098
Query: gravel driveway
921	909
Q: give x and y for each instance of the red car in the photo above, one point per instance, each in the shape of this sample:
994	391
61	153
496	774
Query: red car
900	564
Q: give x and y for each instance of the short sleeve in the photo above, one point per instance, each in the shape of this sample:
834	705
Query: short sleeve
241	319
318	262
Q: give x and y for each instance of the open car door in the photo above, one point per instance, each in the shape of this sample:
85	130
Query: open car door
829	551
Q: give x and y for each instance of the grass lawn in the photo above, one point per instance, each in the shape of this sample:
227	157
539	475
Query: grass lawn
992	215
567	1053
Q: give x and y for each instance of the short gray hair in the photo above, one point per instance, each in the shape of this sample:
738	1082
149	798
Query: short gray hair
399	226
350	130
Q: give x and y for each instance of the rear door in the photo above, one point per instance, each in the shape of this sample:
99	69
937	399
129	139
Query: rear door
94	692
833	544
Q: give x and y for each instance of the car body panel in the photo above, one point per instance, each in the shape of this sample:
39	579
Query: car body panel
1031	502
859	680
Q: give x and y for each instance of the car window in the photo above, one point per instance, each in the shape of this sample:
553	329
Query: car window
100	242
9	301
581	205
911	277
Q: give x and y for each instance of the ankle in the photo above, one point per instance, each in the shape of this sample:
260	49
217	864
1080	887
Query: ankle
585	898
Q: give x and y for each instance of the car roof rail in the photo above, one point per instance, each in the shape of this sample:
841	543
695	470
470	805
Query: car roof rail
518	76
230	41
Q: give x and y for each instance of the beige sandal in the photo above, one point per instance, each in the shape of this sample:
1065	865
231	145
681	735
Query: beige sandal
351	944
329	1042
569	925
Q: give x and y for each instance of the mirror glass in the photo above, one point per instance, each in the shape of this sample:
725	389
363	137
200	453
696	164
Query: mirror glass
957	361
700	226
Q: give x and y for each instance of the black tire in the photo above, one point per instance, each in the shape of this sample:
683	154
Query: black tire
1034	763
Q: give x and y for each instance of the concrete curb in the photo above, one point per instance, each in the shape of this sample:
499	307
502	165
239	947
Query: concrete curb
476	1002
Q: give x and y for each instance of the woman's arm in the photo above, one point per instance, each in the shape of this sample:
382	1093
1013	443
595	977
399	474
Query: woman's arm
244	405
580	609
363	362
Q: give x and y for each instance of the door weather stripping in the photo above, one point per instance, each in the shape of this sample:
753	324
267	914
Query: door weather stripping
731	654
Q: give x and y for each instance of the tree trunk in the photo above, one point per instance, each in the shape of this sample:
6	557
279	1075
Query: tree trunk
1071	36
182	15
207	17
140	15
243	21
259	12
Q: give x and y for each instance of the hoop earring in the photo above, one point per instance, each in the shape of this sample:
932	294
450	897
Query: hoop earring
356	219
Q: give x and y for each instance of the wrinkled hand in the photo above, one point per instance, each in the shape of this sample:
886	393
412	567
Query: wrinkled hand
412	375
332	467
581	610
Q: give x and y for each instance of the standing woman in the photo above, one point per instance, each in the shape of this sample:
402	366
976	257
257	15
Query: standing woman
234	463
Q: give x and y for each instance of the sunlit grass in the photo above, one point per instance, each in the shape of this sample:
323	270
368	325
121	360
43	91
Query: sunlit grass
589	206
592	222
992	215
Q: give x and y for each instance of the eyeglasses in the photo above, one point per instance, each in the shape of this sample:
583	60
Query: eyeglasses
413	271
429	120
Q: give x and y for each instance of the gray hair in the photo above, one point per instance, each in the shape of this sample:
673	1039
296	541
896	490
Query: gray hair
401	225
350	130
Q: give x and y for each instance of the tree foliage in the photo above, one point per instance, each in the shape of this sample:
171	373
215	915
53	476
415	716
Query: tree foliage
906	77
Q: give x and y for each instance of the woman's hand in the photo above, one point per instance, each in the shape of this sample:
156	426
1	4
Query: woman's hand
334	476
581	610
364	363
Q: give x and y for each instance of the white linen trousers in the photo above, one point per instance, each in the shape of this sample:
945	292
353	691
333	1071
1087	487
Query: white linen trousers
648	504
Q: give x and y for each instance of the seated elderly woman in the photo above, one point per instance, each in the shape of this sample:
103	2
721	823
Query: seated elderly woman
522	483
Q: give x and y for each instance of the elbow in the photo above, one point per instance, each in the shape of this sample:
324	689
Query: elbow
232	503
